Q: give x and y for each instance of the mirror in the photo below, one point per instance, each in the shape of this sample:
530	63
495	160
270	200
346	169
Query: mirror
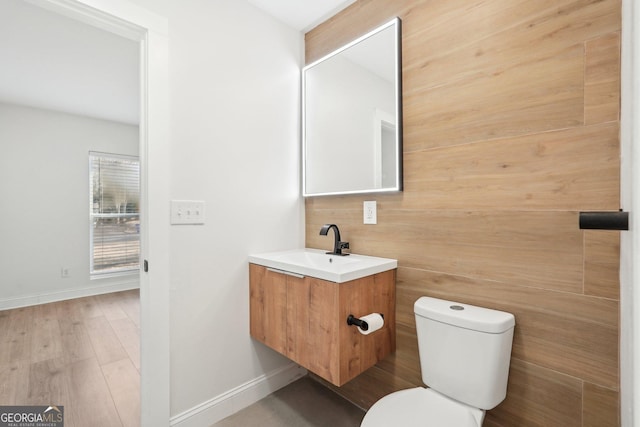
352	117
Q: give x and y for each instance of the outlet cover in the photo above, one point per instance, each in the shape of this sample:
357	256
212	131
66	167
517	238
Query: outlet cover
370	212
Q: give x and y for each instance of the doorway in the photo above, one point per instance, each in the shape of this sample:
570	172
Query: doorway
150	31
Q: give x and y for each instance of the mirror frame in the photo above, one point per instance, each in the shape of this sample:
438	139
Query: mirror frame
397	23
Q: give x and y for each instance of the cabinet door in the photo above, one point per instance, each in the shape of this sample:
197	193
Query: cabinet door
312	326
268	307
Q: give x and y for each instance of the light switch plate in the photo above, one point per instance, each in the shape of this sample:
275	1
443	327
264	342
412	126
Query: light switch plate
187	212
370	212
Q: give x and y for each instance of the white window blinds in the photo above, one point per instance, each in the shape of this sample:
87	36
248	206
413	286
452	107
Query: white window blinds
114	211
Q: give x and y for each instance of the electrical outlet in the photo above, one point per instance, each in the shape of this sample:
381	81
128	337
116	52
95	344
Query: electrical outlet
187	212
64	272
370	212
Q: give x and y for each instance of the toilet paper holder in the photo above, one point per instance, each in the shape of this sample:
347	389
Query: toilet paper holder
362	324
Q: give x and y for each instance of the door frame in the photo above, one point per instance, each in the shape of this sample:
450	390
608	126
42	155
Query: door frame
129	20
630	201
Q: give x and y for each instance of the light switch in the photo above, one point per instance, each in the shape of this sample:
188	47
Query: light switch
187	212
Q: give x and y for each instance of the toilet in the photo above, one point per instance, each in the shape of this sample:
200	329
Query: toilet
464	357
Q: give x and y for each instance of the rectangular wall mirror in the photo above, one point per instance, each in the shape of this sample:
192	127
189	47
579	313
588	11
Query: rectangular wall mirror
352	117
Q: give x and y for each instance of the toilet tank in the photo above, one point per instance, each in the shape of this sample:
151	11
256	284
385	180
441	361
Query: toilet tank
464	350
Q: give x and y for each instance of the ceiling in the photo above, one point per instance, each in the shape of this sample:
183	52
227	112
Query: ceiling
53	62
303	15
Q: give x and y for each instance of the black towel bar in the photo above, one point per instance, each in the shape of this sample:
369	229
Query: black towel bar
604	220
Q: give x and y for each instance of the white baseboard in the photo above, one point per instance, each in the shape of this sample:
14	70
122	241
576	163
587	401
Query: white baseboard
232	401
27	300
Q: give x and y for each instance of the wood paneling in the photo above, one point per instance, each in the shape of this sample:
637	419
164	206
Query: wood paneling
535	248
404	363
519	173
511	127
601	406
517	100
497	36
602	263
539	397
602	79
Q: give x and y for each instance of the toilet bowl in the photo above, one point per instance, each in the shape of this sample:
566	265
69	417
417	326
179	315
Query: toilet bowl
421	407
464	357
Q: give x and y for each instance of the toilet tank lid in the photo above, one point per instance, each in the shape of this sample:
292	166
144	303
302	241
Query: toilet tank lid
464	315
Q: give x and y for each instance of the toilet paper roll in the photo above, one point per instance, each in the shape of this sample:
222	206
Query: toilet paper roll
375	322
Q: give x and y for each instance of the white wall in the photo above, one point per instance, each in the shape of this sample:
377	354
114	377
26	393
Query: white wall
234	144
160	7
44	186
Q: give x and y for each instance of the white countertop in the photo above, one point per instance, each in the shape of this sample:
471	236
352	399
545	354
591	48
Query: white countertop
317	263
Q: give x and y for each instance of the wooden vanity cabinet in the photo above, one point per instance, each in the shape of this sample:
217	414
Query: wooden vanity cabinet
305	319
268	307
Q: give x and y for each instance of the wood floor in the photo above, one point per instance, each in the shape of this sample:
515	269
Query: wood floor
83	354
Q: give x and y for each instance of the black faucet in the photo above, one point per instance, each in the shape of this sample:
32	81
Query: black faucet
338	246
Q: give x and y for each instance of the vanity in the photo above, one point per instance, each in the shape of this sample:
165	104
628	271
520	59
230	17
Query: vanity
300	301
308	304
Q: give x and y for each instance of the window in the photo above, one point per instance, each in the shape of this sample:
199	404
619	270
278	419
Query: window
114	213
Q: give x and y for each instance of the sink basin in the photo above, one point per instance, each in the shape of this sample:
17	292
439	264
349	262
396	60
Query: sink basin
317	263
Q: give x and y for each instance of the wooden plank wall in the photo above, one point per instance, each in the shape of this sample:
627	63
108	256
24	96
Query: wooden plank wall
511	123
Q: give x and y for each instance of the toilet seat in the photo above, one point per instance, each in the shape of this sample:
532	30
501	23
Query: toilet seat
421	407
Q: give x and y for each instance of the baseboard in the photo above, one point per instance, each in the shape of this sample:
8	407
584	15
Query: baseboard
232	401
25	301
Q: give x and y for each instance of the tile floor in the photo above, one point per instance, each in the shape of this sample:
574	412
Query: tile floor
303	403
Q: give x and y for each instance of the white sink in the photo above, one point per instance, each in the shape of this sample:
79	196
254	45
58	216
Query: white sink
317	263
